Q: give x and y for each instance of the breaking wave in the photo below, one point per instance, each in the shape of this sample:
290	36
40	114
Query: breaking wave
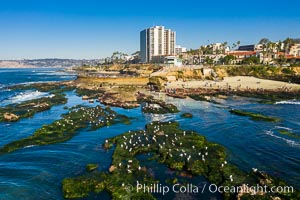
282	127
288	141
25	96
293	102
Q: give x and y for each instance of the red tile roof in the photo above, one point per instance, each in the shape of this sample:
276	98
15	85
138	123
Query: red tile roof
241	53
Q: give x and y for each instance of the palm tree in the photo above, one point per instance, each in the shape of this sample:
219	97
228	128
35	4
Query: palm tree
238	43
224	45
264	41
264	51
233	45
269	49
279	44
287	42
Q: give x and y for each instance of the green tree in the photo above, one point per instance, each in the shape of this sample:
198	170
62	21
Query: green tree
264	41
279	44
233	45
227	59
251	60
238	43
224	45
287	43
209	60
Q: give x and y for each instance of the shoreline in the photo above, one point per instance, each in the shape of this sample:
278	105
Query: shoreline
236	83
131	89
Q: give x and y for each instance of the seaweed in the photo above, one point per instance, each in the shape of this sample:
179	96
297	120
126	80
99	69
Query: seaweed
156	106
184	151
15	112
255	116
187	115
289	133
67	127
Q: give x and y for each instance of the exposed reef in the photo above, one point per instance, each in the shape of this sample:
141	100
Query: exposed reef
184	151
255	116
155	106
289	133
14	112
64	129
187	115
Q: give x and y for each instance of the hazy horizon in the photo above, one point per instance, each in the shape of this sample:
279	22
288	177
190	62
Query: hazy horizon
92	30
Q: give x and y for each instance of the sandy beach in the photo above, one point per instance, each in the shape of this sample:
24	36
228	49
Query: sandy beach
237	82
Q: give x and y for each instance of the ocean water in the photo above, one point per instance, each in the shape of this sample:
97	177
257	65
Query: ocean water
37	172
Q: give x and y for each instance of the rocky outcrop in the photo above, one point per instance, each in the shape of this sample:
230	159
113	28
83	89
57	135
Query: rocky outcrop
158	80
85	97
10	117
112	168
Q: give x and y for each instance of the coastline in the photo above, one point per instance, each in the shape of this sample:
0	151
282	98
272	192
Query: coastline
236	83
116	91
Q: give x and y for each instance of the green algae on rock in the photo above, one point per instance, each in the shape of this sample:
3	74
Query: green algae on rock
255	116
14	112
91	167
185	151
187	115
91	93
155	106
289	133
29	108
67	127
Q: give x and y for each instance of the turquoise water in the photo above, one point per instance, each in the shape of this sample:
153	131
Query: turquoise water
37	172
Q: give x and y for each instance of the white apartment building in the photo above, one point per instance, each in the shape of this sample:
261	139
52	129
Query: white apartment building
179	49
295	50
156	41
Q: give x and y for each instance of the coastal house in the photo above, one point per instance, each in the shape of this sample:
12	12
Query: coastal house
295	50
173	61
241	55
179	50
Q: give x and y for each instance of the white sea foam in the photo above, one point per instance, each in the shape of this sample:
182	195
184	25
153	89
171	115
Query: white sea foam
282	127
29	146
55	73
290	142
25	96
293	102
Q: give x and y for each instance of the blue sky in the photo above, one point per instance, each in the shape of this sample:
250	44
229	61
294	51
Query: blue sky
94	29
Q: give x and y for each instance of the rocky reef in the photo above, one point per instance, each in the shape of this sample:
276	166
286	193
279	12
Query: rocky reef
156	106
254	116
289	133
64	129
14	112
187	115
183	151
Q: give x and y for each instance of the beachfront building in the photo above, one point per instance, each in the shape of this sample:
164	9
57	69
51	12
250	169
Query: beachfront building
219	48
173	61
251	47
295	50
156	42
241	55
179	50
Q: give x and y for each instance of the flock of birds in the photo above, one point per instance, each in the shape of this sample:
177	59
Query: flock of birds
157	139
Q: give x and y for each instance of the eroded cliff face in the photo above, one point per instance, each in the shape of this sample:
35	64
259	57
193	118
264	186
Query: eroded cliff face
296	70
159	79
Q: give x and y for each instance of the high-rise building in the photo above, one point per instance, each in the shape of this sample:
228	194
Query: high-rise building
156	41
